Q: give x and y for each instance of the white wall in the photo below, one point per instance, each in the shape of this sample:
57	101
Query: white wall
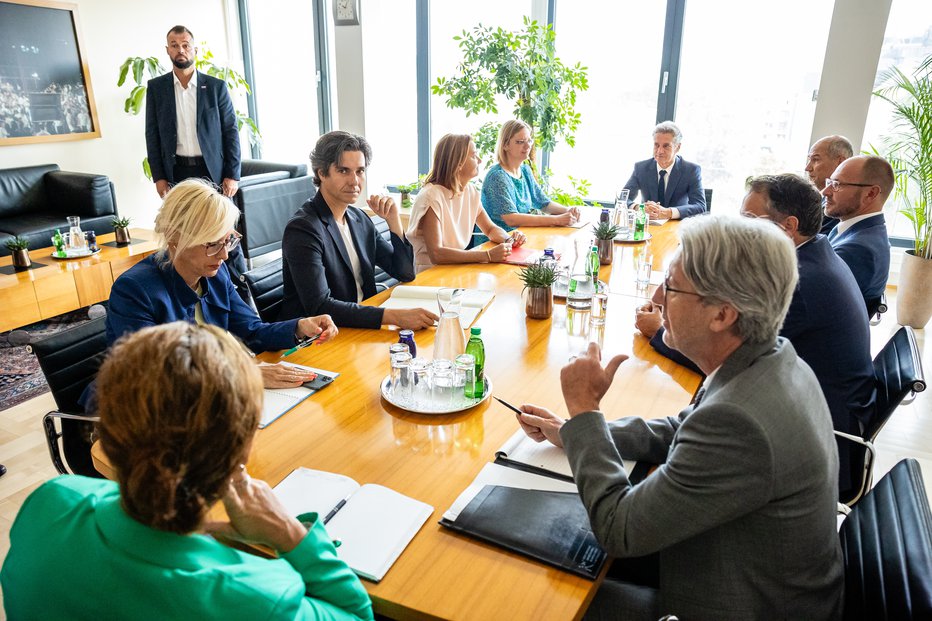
112	31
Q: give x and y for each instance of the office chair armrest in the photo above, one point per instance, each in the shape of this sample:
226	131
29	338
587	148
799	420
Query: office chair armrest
843	509
52	435
855	439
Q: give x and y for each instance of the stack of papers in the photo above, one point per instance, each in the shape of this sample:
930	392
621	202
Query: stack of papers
408	296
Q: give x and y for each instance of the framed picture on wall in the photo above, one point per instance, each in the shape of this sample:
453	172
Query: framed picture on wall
45	86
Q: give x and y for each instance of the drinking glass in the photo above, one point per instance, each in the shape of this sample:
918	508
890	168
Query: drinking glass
400	386
644	269
599	307
464	376
420	389
441	384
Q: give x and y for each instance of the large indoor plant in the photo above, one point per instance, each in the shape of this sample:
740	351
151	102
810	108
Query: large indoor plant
523	67
137	68
909	149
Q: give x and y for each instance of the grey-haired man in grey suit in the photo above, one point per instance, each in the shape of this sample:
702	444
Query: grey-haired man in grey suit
740	514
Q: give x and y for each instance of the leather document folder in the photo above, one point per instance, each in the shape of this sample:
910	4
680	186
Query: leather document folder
552	527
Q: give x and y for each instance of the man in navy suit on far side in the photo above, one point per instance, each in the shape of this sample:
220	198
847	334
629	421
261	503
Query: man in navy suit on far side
670	187
190	123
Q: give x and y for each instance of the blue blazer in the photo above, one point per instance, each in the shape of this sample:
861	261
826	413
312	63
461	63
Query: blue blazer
216	128
317	274
828	326
683	191
150	294
865	247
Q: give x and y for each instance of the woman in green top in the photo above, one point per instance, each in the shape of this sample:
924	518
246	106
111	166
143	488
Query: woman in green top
179	406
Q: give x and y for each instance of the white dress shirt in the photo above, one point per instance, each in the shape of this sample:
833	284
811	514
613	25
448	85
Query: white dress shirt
186	117
844	225
666	185
353	256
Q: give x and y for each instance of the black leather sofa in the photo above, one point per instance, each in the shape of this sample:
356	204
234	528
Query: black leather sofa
269	194
36	200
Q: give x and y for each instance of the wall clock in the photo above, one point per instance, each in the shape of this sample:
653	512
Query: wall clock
346	12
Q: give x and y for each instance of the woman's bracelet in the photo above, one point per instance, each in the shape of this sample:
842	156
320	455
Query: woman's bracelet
488	256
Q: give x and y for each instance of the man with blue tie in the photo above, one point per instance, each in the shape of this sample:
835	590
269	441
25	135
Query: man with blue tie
190	122
670	187
855	194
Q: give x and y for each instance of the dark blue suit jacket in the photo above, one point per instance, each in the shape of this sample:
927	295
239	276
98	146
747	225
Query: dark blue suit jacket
216	128
683	189
150	294
317	274
865	247
828	326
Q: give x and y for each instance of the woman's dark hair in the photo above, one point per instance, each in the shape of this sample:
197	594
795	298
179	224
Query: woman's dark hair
330	148
179	404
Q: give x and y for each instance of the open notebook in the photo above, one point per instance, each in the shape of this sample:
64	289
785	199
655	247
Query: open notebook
277	401
373	523
409	296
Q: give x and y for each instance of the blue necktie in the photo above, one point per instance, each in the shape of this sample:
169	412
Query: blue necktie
833	233
661	188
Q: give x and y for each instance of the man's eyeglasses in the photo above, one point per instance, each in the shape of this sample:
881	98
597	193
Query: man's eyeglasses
835	184
667	289
231	242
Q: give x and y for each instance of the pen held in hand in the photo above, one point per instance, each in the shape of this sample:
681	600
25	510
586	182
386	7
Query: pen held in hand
509	406
301	345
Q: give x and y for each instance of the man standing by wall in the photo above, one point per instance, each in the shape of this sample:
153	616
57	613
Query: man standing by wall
190	122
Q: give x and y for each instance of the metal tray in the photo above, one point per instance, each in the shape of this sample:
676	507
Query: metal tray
458	407
83	255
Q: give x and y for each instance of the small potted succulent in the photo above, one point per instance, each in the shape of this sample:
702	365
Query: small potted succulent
19	248
121	230
605	233
406	190
538	279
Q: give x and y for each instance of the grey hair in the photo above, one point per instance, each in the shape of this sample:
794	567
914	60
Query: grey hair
838	147
669	127
746	263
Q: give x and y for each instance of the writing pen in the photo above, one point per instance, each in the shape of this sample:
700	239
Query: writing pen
508	405
301	345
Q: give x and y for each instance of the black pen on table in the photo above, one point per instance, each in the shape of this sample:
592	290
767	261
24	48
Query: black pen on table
301	345
508	405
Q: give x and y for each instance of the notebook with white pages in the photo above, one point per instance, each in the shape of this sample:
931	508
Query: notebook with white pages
540	457
410	296
373	523
277	401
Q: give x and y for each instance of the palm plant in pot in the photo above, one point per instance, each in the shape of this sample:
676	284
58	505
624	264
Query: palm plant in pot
121	230
605	233
909	150
538	279
19	248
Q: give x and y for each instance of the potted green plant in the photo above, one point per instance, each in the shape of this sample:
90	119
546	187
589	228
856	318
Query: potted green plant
605	233
909	150
19	248
406	190
523	67
538	280
121	230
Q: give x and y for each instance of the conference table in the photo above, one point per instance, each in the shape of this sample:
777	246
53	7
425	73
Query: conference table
348	428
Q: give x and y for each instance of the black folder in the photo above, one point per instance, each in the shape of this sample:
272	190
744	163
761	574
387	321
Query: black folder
552	527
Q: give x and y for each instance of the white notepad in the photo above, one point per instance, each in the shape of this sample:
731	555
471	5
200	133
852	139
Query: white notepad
374	523
277	401
542	455
410	296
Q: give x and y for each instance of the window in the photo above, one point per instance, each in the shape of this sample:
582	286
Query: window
285	80
620	108
745	101
907	43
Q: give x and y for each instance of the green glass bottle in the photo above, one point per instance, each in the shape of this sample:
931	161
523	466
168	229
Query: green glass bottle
594	268
640	223
476	348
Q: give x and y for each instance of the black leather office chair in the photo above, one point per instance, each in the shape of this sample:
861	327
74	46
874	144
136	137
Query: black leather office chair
897	374
708	200
266	287
875	308
382	280
886	542
70	360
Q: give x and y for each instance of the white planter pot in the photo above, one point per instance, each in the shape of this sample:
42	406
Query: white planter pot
914	293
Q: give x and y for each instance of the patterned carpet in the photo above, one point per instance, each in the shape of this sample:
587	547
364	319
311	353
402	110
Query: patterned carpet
20	376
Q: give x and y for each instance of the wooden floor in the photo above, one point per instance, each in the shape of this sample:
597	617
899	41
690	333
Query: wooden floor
24	453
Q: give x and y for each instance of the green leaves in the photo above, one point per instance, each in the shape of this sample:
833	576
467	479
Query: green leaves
523	67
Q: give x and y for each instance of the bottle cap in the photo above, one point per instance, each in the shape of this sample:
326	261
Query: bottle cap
596	248
475	331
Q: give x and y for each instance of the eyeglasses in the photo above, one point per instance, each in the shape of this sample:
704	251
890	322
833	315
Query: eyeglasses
667	289
228	244
835	184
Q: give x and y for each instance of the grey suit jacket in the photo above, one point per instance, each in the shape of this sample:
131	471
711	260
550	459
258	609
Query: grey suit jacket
742	509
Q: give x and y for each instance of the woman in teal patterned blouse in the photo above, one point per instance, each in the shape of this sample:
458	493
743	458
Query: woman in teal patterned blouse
511	195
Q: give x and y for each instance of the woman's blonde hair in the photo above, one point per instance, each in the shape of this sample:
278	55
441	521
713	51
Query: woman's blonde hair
179	405
193	212
506	133
450	154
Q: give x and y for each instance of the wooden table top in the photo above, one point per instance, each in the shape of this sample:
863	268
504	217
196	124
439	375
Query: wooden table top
348	428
